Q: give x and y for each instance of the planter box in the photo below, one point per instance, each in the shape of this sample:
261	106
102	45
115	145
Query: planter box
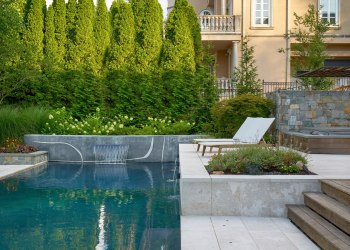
238	195
23	159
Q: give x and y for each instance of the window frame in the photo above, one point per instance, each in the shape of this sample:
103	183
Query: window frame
337	13
253	14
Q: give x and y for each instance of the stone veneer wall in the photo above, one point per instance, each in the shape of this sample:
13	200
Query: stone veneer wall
302	109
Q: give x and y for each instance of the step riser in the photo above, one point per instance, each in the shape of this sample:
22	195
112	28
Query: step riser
317	233
329	214
335	193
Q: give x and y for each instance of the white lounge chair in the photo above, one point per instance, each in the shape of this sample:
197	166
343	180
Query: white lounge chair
249	134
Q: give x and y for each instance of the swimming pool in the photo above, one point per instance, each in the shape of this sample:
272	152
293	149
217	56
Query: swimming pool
74	206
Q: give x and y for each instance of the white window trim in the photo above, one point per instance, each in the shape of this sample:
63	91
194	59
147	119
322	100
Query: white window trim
253	12
337	14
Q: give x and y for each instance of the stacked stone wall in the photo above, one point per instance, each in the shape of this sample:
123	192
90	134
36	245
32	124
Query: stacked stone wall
304	109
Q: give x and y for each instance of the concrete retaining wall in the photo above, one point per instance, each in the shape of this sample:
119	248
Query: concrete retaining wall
157	148
238	195
303	109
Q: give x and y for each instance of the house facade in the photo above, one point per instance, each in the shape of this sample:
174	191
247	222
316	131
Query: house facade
224	23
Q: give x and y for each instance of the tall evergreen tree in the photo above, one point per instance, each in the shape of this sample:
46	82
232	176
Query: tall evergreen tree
102	32
245	76
50	41
85	51
59	7
178	50
33	37
149	33
71	15
120	56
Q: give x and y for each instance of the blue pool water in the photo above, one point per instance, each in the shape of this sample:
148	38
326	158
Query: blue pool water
73	206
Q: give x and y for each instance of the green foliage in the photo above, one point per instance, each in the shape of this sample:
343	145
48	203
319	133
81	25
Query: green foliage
310	49
149	33
71	16
230	114
257	160
178	49
59	7
33	36
245	75
15	122
121	53
102	32
84	57
51	46
61	121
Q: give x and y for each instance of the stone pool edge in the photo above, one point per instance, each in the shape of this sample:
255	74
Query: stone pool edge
224	195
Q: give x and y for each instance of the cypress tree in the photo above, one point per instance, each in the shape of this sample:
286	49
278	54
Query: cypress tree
149	33
33	37
178	50
85	51
102	32
71	13
50	42
59	7
123	36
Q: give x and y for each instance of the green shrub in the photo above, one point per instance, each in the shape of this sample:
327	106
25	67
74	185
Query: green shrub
15	122
228	115
257	160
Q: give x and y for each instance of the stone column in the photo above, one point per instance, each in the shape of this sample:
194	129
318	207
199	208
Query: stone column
234	56
223	7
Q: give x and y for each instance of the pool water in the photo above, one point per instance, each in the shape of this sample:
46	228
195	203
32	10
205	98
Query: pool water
74	206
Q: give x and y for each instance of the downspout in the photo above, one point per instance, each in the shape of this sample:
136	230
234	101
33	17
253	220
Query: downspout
288	52
242	20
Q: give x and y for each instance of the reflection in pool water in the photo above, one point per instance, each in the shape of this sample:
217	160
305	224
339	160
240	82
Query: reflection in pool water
70	206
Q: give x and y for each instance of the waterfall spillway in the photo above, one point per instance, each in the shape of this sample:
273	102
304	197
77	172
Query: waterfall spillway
116	153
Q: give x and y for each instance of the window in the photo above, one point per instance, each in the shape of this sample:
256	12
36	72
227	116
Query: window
205	12
261	13
329	10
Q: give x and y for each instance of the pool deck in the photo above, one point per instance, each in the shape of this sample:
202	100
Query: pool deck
238	232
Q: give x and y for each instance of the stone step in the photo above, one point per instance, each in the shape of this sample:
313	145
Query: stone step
332	210
323	233
337	189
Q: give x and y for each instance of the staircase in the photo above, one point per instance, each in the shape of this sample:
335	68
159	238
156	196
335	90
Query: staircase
325	217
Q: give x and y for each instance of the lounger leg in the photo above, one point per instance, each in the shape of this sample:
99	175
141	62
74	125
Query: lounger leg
198	146
203	151
211	149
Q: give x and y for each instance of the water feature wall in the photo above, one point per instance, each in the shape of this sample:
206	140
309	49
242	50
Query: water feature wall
142	148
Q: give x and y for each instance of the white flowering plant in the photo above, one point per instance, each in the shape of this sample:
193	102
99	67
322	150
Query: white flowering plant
61	122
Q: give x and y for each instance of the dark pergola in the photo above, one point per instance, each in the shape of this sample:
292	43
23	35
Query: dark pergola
331	68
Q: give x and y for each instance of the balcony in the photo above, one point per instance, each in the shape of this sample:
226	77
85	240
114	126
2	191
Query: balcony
218	24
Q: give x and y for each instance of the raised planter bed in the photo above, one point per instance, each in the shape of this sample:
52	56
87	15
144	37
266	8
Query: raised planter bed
23	158
203	194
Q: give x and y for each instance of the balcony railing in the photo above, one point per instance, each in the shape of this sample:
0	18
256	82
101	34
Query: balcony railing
218	23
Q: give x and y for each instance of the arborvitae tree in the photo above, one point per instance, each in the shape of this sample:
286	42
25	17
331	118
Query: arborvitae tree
51	55
149	33
192	19
59	7
102	32
245	76
71	15
120	56
178	50
33	37
85	52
